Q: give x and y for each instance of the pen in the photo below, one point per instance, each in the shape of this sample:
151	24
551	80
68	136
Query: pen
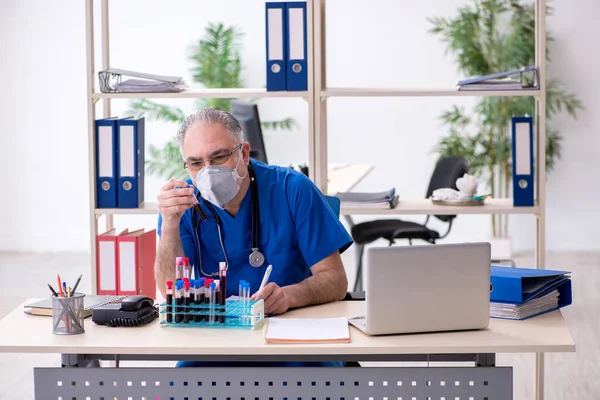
76	284
59	285
64	289
52	290
266	277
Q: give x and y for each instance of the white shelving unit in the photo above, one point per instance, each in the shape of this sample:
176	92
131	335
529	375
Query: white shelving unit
317	96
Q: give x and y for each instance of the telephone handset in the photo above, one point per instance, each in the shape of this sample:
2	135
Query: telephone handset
132	311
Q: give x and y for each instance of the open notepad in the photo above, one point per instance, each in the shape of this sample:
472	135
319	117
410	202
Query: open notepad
307	330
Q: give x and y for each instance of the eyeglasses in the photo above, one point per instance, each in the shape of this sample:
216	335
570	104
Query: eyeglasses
196	166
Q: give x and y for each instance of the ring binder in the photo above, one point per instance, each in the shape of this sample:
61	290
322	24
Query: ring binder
111	80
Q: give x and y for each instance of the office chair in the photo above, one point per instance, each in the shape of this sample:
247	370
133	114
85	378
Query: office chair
445	174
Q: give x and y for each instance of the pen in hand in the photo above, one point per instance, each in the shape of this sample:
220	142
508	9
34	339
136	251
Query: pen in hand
265	278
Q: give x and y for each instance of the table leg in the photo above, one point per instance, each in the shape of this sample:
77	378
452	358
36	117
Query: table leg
77	361
539	376
486	360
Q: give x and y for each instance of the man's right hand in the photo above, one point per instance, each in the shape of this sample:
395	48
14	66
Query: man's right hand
172	201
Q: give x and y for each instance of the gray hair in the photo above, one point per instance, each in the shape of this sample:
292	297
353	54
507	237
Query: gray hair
210	116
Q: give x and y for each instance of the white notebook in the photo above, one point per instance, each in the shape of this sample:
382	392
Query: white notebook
307	330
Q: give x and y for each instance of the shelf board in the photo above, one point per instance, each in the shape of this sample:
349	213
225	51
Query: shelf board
404	207
422	92
424	206
146	208
203	93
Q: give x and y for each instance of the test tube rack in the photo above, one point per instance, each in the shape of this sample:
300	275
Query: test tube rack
237	314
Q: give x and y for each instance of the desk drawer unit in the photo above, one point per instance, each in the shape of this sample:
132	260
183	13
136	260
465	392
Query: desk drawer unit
327	383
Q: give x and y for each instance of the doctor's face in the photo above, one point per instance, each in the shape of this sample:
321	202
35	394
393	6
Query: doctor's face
205	145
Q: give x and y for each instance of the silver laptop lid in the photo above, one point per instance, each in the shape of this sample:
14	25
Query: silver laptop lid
427	288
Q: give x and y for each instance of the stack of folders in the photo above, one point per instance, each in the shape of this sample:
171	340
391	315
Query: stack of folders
111	80
125	263
119	144
387	199
522	293
286	46
503	80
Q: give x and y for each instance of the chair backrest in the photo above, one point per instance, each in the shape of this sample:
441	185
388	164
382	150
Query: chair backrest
447	171
334	203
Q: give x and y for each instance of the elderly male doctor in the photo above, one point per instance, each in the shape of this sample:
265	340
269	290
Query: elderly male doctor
250	215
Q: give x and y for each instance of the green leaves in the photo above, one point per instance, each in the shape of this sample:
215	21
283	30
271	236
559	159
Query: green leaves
216	57
166	162
154	111
485	37
216	64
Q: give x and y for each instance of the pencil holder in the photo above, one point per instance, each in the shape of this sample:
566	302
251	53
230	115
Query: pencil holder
68	315
235	314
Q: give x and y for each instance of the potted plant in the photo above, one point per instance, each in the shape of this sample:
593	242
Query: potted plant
485	37
217	64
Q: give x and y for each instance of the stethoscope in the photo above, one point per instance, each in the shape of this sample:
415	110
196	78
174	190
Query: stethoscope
256	258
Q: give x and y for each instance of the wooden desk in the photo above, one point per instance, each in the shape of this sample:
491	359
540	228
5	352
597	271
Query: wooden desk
23	333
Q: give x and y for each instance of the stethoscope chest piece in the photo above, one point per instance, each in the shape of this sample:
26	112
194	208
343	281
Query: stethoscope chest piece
256	259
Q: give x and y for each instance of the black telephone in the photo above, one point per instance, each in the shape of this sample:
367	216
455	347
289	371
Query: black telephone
132	311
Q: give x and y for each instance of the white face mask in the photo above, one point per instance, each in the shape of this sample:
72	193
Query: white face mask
219	184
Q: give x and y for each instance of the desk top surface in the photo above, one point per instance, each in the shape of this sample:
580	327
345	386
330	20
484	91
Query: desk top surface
23	333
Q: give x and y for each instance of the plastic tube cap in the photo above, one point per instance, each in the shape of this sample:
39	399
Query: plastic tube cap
169	284
179	260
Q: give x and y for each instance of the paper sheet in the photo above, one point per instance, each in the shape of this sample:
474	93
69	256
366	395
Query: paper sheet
307	330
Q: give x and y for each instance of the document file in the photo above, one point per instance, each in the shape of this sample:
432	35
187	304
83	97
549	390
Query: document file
106	262
136	255
106	163
520	293
297	73
130	136
522	158
276	34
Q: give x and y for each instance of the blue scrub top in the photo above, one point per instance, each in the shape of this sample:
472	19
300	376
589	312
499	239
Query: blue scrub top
297	230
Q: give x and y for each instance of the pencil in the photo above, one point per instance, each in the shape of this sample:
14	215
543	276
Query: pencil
59	285
76	284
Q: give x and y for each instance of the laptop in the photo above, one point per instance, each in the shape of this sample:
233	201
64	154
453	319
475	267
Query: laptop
426	288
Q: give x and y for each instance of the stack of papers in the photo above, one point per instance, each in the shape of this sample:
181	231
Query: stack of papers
494	84
526	310
521	293
387	199
502	80
111	81
307	330
149	86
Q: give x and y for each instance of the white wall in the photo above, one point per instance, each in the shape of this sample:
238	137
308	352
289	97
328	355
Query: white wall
44	175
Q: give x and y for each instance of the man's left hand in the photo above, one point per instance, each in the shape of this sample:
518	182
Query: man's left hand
275	298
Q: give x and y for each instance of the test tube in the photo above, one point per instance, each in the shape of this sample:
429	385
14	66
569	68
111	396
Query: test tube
192	298
212	301
186	268
178	268
223	289
246	302
169	301
206	298
186	301
199	288
178	300
217	300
